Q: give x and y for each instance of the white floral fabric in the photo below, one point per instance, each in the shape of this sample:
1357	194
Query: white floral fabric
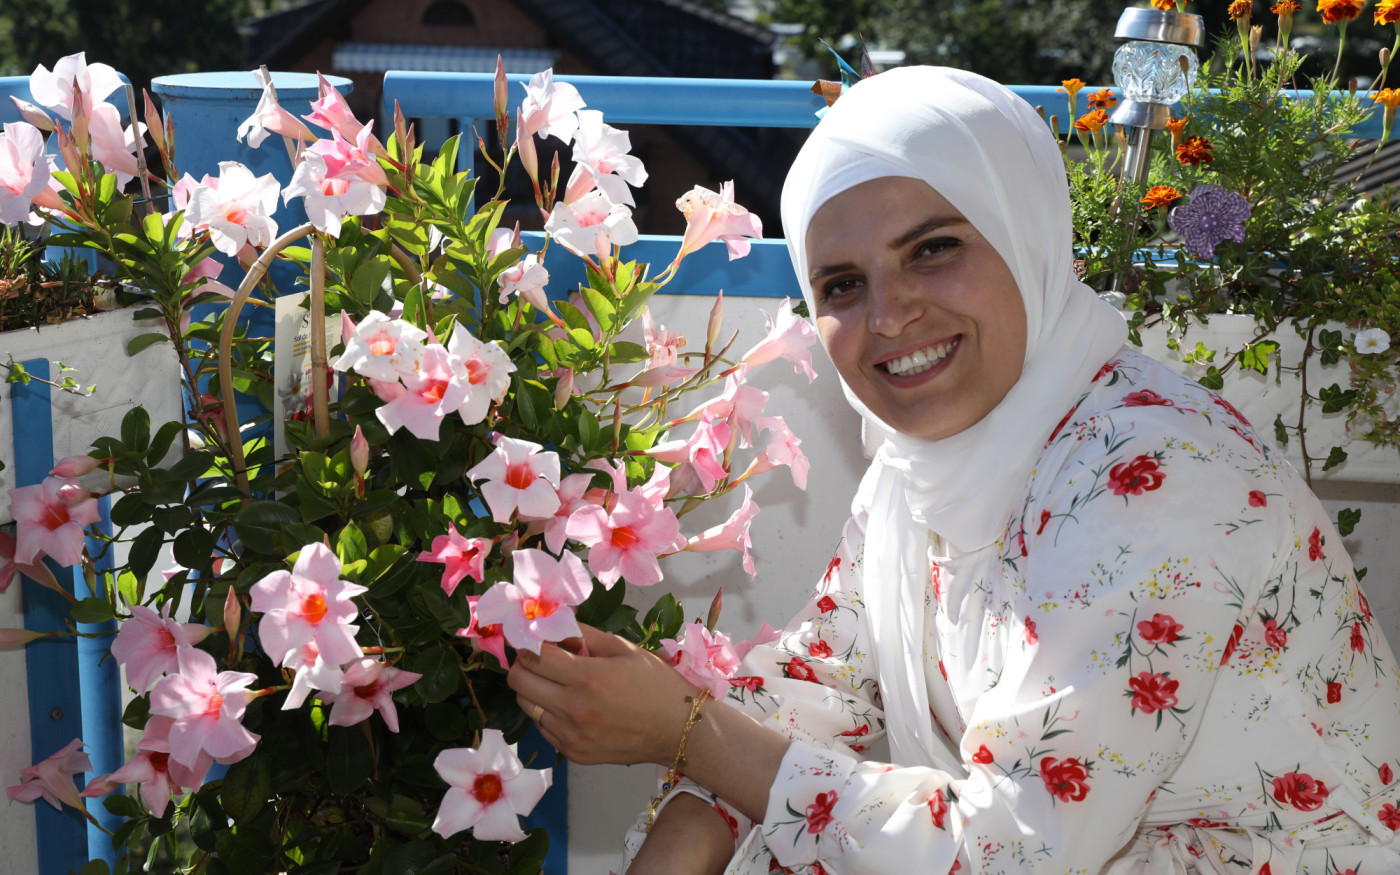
1165	665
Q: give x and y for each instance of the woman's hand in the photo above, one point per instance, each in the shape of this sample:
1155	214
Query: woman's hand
609	702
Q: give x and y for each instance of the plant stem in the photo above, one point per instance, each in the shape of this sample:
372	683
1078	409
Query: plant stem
1303	408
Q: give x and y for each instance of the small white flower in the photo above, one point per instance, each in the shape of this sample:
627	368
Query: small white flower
1372	341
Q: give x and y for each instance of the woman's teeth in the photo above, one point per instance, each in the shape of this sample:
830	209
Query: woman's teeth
921	360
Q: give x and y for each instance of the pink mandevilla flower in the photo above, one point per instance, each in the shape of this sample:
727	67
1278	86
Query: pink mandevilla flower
485	368
625	541
783	448
434	391
704	450
488	788
520	479
270	118
350	159
238	212
550	108
536	607
114	146
574	493
334	114
601	152
382	348
663	357
151	767
526	278
207	708
149	645
309	603
704	658
329	199
24	171
732	534
740	403
789	337
462	556
52	779
312	673
369	686
49	520
54	90
488	637
591	225
715	216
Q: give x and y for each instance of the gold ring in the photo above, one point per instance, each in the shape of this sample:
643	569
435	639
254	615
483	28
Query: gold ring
538	713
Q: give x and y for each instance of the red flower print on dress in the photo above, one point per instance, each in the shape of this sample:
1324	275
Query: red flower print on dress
1386	775
1365	605
1044	520
1302	791
1334	692
752	683
1358	640
938	807
1159	630
1257	498
1031	637
1315	544
1061	424
1206	823
1274	636
729	819
983	757
942	670
831	568
1066	779
1142	474
1266	869
819	649
826	604
1230	645
818	869
1153	692
1390	816
819	812
858	732
798	669
1105	370
1231	408
1146	398
775	866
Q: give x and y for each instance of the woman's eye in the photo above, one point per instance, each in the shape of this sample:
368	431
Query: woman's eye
936	246
839	287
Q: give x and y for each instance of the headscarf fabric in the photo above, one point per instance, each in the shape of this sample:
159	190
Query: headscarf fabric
993	158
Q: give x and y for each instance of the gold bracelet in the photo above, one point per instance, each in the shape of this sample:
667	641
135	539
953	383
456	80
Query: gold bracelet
673	775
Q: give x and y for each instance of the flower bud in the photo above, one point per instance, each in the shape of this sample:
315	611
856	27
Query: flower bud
359	452
33	114
73	493
713	617
525	148
1256	34
154	126
716	316
76	466
564	389
13	639
499	99
233	614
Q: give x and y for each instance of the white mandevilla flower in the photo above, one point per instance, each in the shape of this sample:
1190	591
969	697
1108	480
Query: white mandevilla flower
592	225
328	200
238	212
382	348
1372	341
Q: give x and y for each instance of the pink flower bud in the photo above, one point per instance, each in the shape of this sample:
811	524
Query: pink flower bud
500	97
359	452
525	148
154	127
564	389
73	493
14	639
233	613
713	617
716	316
77	466
33	114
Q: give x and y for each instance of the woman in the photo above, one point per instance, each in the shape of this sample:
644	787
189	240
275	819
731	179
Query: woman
1102	624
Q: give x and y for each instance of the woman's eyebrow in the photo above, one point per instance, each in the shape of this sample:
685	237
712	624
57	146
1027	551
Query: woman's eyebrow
900	242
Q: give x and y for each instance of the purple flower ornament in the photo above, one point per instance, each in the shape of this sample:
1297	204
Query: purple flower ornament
1211	215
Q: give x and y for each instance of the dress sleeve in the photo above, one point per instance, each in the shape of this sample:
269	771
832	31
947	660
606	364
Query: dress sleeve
1128	574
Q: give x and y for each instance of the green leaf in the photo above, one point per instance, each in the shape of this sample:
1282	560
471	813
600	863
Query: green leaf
131	510
91	610
368	281
136	429
207	820
527	857
446	721
1256	356
1347	518
246	787
349	761
163	441
259	525
1334	458
380	560
145	549
624	352
140	342
194	548
194	465
137	712
350	546
441	671
1334	398
1280	431
601	308
99	867
414	310
1213	379
314	505
122	805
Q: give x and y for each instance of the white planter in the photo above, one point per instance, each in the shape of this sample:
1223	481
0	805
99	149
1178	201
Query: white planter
95	348
1262	397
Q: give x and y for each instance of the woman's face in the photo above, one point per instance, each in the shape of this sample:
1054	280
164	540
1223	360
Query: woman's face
920	314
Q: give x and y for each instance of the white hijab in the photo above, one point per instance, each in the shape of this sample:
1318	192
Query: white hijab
991	156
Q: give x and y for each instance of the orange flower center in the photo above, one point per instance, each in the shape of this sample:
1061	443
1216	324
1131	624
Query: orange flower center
519	475
381	344
160	761
214	705
54	516
367	690
433	392
536	608
476	371
623	537
313	608
487	788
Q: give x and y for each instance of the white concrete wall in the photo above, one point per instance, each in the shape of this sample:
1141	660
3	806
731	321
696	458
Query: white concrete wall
793	537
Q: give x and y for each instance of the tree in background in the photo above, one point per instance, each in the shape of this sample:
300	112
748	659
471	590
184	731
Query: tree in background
142	38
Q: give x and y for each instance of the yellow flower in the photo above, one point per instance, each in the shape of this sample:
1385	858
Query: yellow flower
1388	12
1090	122
1164	5
1073	86
1176	125
1241	9
1390	97
1104	98
1160	196
1339	11
1195	151
1285	8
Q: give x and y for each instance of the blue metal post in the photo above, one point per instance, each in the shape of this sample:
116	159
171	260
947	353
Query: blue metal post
552	812
99	680
51	664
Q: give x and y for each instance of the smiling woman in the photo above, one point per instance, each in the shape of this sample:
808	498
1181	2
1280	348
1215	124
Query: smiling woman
1099	622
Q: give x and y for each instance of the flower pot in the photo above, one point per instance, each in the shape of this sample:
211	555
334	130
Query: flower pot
1264	397
95	348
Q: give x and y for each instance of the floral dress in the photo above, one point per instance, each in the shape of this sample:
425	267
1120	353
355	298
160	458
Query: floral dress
1165	665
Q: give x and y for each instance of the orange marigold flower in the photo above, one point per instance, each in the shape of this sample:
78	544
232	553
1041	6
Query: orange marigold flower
1073	86
1241	9
1175	126
1285	8
1388	96
1164	5
1388	12
1195	151
1104	98
1092	121
1339	11
1160	196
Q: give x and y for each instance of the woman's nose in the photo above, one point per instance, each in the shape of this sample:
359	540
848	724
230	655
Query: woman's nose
894	303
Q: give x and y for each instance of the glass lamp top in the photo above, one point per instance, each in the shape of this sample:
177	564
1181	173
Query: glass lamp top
1152	72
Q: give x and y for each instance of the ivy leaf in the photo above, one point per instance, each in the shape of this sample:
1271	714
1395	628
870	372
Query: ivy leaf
1334	458
1347	518
1213	379
1256	356
1280	431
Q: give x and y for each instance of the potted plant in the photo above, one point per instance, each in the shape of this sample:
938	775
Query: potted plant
499	465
